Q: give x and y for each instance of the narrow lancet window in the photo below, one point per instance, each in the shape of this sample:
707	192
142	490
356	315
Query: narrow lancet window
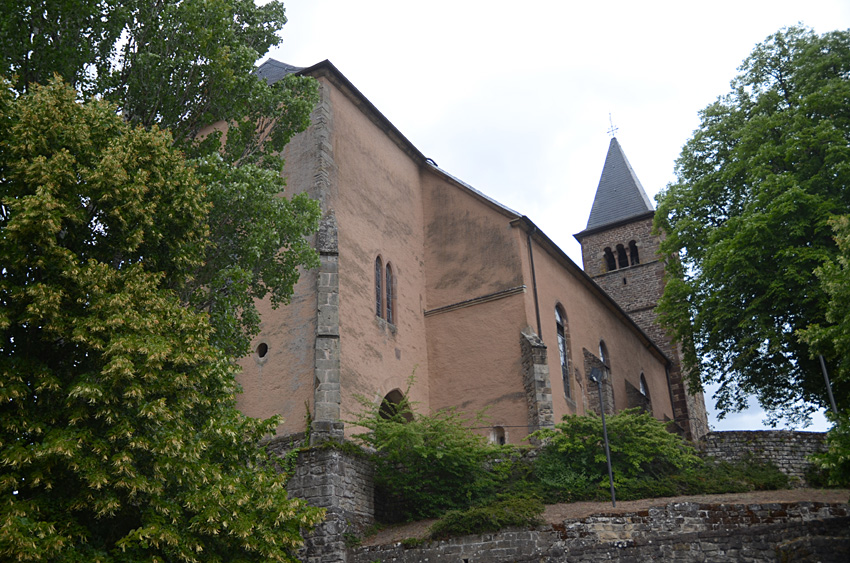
563	351
644	388
379	293
622	259
390	300
633	254
603	355
610	263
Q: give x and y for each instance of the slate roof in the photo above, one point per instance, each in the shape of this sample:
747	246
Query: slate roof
620	195
273	70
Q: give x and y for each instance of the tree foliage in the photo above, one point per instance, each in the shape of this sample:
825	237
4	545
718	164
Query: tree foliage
835	461
179	64
832	337
258	242
186	65
119	436
748	218
128	276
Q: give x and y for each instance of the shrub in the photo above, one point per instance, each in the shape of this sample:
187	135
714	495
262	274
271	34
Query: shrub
763	475
492	517
835	462
572	463
425	464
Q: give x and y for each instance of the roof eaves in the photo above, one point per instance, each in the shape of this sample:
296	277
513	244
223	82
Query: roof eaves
328	70
615	224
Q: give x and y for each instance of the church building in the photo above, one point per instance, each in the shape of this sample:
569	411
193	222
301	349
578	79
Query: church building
430	288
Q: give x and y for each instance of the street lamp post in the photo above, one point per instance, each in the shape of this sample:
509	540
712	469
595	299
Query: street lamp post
828	384
596	375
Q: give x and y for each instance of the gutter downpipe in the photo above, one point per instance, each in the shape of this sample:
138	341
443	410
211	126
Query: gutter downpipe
534	280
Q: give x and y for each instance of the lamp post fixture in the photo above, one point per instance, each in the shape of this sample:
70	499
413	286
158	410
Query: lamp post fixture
597	375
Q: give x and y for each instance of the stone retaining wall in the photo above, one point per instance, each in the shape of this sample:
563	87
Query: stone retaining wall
687	532
341	483
789	450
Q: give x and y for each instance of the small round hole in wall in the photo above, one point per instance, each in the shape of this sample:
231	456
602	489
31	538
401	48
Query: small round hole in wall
262	350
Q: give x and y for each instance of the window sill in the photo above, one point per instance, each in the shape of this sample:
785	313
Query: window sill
386	326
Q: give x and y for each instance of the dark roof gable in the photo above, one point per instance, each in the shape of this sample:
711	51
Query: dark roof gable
620	195
273	70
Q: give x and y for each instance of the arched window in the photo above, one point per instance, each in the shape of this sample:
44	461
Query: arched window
644	388
633	254
610	263
603	354
497	435
379	294
563	349
622	259
390	301
394	405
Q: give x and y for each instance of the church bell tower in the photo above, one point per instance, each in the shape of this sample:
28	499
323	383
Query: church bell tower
620	253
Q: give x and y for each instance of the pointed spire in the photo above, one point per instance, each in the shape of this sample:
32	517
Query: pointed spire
619	195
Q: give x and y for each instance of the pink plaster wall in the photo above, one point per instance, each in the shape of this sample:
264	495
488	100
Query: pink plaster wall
590	321
379	212
471	250
476	363
475	350
282	382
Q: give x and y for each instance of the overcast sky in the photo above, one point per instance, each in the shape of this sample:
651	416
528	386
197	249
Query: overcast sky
514	98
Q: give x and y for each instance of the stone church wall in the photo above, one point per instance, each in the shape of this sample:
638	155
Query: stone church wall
593	245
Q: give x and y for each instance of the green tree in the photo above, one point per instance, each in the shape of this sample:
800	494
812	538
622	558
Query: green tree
832	337
257	244
119	436
835	461
186	65
748	218
73	38
179	64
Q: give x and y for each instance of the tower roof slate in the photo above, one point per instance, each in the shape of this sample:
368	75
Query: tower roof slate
620	195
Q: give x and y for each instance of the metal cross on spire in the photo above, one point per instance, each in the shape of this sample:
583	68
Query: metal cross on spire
612	130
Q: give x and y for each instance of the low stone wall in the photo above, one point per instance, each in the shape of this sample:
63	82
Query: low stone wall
789	450
687	532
